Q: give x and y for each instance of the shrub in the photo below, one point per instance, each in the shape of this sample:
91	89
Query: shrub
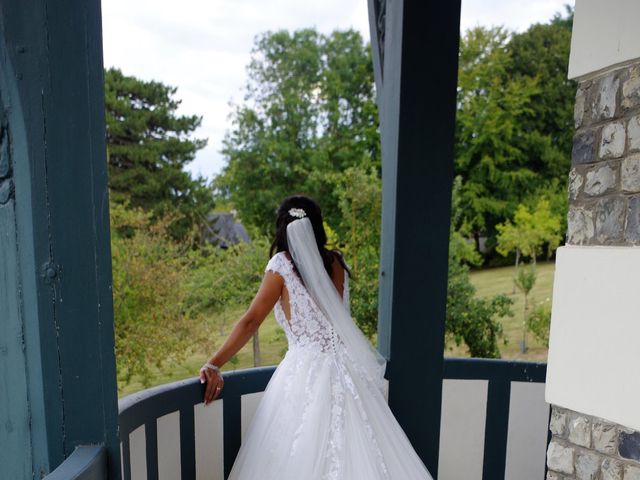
149	273
539	321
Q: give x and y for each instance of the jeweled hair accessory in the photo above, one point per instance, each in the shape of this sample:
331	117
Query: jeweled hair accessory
297	212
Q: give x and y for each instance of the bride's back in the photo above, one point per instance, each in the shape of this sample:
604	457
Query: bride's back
304	323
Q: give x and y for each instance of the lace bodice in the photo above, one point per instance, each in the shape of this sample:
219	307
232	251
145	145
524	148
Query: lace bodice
307	326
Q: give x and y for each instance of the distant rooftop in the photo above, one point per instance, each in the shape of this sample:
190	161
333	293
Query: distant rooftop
223	230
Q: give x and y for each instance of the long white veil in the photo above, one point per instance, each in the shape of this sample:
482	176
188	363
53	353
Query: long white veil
305	254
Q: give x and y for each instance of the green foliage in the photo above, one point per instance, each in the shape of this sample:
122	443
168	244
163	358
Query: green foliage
489	153
539	322
228	277
359	194
223	277
530	231
514	119
166	293
472	320
309	112
526	279
543	51
149	274
148	145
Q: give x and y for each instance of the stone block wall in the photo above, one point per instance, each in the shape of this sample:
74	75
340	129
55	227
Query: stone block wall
590	448
604	209
604	181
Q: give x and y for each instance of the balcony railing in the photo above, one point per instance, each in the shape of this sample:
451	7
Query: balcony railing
87	462
494	423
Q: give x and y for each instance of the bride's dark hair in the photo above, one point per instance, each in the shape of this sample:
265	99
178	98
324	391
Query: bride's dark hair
312	209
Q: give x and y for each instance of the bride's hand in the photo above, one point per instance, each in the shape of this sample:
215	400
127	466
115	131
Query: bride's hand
214	382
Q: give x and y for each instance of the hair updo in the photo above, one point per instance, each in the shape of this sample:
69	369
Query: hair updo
313	212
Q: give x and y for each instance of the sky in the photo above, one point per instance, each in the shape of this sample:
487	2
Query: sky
202	46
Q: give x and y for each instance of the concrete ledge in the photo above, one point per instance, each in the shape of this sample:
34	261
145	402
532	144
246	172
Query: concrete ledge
594	345
605	35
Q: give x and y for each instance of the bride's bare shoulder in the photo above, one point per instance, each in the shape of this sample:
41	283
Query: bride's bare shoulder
337	270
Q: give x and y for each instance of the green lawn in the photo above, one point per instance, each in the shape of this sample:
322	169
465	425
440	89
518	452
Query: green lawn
492	281
488	282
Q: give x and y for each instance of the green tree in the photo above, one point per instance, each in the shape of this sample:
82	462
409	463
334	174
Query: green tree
514	119
472	320
542	51
148	146
309	111
525	280
530	231
490	154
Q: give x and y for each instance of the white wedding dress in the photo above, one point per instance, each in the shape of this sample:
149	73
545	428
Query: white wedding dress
320	418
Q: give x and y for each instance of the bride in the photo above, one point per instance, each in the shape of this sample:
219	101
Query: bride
323	414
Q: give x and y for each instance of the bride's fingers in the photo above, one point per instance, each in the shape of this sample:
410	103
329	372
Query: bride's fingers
209	381
208	394
218	389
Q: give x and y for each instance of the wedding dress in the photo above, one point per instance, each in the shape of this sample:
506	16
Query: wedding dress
321	416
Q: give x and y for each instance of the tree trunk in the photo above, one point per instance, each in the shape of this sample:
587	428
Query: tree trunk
523	345
513	292
256	349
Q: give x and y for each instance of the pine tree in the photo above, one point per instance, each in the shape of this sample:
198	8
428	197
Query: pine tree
148	146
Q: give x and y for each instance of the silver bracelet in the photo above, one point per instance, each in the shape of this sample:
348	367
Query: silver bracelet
211	366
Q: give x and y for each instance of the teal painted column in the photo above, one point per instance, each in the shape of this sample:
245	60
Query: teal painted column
57	364
415	52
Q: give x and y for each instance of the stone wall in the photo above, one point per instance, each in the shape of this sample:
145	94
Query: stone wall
604	187
604	209
589	448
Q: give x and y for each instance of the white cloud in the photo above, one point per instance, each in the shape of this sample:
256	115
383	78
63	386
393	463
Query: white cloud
515	14
203	46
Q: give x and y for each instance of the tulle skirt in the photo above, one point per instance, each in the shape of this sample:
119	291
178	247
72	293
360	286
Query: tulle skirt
319	419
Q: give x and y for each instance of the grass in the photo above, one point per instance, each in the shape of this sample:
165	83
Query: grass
488	282
492	281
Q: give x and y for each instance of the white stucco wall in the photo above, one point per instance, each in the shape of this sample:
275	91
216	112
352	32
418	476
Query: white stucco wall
594	345
605	34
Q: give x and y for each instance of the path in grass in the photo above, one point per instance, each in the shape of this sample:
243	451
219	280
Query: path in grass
488	282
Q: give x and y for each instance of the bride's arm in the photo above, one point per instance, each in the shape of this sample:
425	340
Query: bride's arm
264	300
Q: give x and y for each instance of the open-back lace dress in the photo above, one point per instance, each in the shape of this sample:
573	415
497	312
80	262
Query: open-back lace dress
319	417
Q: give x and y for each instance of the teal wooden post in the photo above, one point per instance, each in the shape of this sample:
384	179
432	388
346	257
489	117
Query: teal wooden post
415	51
57	366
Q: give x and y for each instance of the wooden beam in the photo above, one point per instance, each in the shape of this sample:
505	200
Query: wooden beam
51	87
417	98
